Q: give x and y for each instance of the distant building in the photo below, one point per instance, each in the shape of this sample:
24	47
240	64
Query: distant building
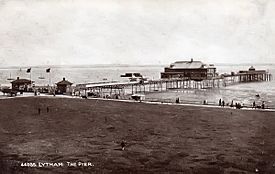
253	71
21	85
64	87
253	75
193	70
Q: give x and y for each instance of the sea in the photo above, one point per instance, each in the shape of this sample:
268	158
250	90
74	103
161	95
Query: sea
244	93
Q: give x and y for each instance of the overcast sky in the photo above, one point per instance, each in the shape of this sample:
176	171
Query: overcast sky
59	32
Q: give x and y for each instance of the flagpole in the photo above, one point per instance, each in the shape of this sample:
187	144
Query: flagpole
29	71
49	71
31	77
50	78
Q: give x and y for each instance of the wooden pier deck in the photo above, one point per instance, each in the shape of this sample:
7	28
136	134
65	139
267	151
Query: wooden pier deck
118	88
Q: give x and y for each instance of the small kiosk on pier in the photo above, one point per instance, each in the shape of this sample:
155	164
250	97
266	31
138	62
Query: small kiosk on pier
253	75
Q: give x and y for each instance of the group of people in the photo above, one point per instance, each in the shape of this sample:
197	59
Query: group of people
39	110
262	106
239	105
221	103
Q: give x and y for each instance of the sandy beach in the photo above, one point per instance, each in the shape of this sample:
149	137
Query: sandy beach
159	138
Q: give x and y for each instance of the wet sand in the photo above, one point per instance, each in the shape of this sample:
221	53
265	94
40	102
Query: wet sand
159	138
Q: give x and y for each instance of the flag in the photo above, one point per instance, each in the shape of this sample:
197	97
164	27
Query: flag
48	70
29	70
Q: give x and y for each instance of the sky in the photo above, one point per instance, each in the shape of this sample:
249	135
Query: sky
137	32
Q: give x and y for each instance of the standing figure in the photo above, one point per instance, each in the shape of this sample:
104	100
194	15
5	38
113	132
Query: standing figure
263	105
232	104
254	105
223	103
123	144
220	102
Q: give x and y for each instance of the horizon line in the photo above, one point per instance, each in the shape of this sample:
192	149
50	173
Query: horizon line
118	65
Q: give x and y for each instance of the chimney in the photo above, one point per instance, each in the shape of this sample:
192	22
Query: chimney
63	78
191	60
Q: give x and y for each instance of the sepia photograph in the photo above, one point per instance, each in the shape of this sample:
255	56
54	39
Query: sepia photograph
137	86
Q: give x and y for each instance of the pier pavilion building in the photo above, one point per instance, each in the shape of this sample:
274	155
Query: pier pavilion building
191	70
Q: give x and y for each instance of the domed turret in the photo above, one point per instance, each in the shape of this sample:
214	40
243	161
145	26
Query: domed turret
251	68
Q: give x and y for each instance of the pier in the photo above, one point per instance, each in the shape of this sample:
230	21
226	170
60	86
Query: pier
142	87
179	75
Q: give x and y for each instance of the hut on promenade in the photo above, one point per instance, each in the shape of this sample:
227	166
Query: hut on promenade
64	87
22	85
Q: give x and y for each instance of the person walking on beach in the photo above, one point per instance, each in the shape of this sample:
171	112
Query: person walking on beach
223	103
263	105
123	144
232	104
220	102
253	105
